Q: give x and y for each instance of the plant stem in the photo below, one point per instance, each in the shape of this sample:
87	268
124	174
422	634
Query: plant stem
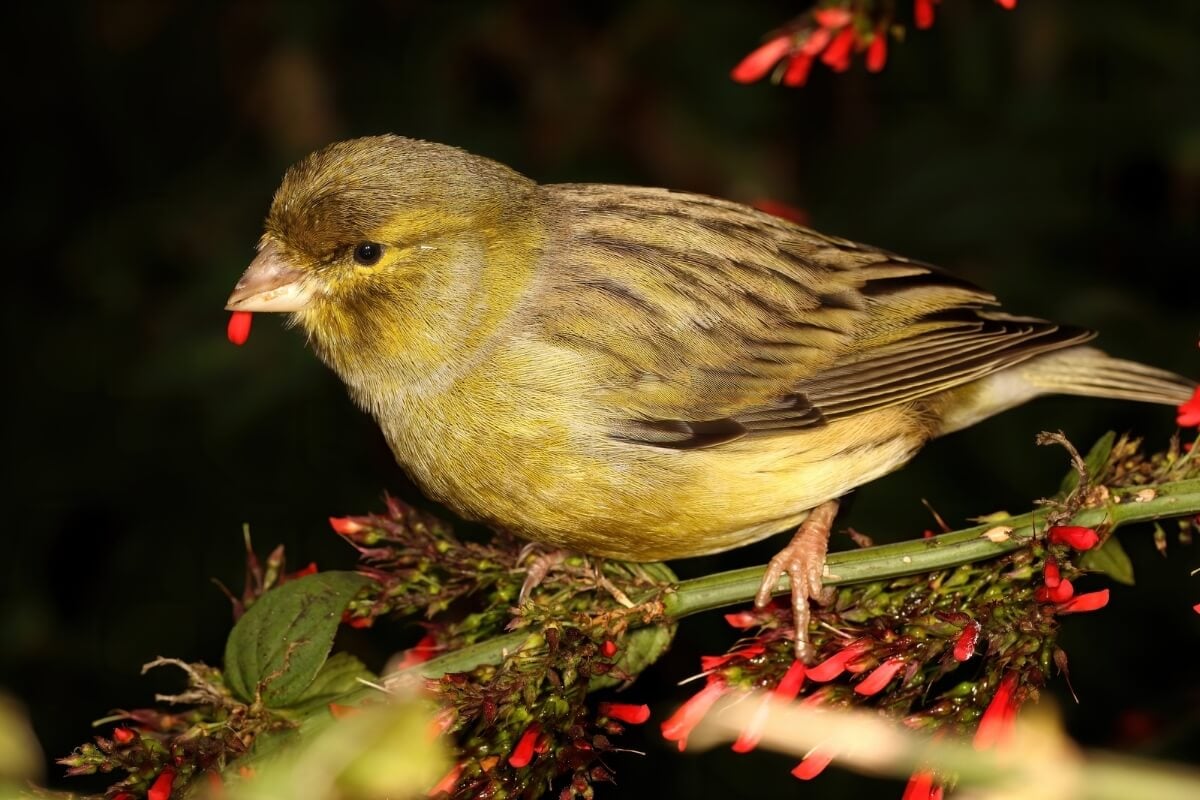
1178	499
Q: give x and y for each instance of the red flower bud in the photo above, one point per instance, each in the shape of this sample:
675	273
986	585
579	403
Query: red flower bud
522	754
1059	594
813	764
448	782
626	712
238	329
920	786
344	525
797	70
1189	412
837	55
923	14
997	721
964	646
835	665
1050	573
608	649
834	17
1076	536
815	42
754	66
877	57
123	735
1007	5
161	788
791	682
680	724
880	677
1085	602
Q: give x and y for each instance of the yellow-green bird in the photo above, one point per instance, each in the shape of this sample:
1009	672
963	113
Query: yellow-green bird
639	373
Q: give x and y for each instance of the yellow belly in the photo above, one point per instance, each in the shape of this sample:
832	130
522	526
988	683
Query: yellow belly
523	462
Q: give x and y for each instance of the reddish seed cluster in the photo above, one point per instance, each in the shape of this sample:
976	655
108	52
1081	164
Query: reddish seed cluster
831	34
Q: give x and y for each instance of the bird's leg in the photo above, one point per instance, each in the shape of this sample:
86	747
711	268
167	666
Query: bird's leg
803	561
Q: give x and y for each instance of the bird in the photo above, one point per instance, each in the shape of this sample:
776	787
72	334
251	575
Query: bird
640	373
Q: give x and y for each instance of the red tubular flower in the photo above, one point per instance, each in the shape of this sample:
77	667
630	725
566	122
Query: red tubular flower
123	796
834	18
815	42
1050	573
744	619
799	216
419	653
997	721
835	665
791	682
920	786
1189	412
1085	602
923	14
679	725
813	764
1076	536
123	735
837	55
161	788
1059	594
1007	5
797	70
749	737
877	51
1196	608
964	646
344	525
880	677
626	712
238	329
608	649
754	66
448	782
522	754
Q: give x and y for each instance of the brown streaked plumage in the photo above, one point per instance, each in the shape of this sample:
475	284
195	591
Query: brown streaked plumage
632	372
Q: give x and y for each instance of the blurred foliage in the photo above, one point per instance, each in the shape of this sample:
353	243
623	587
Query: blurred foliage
1051	154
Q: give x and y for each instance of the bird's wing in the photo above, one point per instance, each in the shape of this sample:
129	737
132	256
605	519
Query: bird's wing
713	321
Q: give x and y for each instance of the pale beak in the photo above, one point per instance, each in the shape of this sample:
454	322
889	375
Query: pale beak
269	284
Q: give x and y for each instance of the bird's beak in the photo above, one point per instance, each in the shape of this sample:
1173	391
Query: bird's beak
269	284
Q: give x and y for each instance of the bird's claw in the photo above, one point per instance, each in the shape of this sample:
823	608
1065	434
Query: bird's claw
803	561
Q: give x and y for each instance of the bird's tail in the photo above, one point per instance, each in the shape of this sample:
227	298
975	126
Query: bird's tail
1089	372
1076	370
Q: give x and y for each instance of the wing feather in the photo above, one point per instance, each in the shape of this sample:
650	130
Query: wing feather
712	321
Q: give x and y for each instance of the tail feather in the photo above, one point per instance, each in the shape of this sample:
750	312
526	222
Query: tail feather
1082	371
1089	372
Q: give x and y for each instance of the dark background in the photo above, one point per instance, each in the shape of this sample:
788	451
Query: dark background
1051	154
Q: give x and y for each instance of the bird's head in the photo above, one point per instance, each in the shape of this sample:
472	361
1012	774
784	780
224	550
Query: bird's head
366	235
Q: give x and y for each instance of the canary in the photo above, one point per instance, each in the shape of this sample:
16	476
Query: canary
639	373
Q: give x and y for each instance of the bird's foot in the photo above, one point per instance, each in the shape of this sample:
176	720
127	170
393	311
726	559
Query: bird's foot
537	570
803	561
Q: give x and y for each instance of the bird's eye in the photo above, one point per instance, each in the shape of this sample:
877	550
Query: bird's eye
368	253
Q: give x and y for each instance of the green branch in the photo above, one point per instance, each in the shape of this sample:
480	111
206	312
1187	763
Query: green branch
884	562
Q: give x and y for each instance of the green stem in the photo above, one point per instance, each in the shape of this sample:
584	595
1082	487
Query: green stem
884	562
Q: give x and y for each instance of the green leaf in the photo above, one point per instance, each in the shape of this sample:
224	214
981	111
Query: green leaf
277	648
338	678
1111	559
1095	460
641	648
